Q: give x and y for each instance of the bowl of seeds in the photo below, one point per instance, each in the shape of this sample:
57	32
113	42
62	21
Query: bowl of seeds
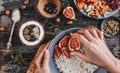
31	33
110	26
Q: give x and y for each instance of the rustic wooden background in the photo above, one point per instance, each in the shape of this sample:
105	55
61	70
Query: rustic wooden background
31	13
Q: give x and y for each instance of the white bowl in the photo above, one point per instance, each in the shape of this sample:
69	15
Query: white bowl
41	36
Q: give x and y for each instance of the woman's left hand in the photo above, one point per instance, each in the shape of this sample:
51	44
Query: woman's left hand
42	62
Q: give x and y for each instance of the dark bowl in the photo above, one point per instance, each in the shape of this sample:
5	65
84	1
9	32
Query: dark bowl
52	64
105	21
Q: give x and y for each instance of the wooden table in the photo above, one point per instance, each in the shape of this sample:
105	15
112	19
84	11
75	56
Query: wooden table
32	13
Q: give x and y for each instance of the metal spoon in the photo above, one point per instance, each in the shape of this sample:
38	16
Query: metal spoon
16	18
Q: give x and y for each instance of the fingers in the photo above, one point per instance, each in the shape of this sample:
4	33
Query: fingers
79	55
39	61
96	32
93	32
46	47
100	34
82	39
87	34
46	59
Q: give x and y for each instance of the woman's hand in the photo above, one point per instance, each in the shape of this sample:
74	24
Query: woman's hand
42	61
96	51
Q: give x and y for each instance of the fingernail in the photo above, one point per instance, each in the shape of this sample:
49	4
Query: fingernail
46	52
71	33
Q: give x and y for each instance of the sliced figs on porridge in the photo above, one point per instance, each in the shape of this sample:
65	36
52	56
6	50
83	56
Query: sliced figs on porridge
64	41
67	63
58	52
74	44
66	52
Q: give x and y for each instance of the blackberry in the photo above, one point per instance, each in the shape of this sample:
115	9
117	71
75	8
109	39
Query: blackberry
50	8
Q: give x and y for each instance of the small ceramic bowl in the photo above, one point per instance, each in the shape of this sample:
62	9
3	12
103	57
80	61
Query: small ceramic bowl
105	21
41	5
40	34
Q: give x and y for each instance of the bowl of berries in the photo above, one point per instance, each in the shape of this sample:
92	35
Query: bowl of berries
49	8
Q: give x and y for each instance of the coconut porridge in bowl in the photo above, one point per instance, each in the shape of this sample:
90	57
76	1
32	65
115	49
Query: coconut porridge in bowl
67	63
61	61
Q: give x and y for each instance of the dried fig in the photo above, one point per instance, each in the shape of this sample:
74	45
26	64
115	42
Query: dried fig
58	52
66	52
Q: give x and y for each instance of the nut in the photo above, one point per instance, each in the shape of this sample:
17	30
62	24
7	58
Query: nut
7	12
69	23
2	29
23	7
57	20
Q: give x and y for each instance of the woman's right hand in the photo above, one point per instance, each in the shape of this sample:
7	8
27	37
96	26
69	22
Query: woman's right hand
96	51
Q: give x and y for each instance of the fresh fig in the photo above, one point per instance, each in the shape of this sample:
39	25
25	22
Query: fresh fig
69	13
74	44
58	52
66	52
64	41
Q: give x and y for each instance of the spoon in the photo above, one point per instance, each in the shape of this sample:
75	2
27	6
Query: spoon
16	18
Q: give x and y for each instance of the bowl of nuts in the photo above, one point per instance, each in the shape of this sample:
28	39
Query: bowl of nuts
31	33
49	8
110	26
98	9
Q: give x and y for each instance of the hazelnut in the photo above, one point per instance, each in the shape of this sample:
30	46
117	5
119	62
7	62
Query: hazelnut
2	29
7	12
57	20
23	7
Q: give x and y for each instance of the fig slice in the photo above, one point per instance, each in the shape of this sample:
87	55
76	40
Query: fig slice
69	13
66	52
74	44
64	42
57	52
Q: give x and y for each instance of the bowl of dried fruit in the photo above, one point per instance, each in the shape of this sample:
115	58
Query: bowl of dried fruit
31	33
49	8
110	26
98	9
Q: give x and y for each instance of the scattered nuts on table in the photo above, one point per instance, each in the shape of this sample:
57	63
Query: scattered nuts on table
111	27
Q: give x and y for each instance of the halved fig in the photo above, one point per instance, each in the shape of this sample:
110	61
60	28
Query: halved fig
74	44
69	13
66	52
64	41
57	52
